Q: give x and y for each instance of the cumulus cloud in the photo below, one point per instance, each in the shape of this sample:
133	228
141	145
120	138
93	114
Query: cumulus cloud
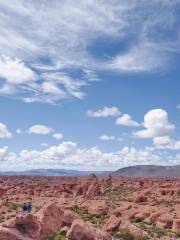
57	136
156	124
166	142
107	138
41	53
14	71
70	155
18	131
40	129
126	120
104	112
4	132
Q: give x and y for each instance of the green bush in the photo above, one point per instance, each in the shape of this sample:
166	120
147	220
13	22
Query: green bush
178	234
59	236
125	234
145	237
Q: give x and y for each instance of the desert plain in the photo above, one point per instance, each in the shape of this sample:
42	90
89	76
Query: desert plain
90	208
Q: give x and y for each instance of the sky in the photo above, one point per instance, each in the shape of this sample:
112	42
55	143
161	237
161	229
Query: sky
89	85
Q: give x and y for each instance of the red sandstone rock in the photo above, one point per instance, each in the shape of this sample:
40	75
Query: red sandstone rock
81	230
51	218
112	224
118	212
140	198
176	225
95	206
6	234
69	217
22	227
92	190
135	231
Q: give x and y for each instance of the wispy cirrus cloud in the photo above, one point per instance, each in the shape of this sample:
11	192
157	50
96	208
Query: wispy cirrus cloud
50	54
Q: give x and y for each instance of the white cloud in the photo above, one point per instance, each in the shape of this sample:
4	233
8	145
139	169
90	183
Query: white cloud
57	136
49	87
126	120
4	132
178	106
144	57
14	71
107	138
70	155
63	46
105	112
166	142
18	131
156	124
40	129
44	144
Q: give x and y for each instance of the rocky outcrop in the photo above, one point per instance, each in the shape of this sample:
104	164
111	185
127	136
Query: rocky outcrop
135	231
22	227
81	230
69	217
95	206
92	190
140	198
176	225
112	224
50	218
47	222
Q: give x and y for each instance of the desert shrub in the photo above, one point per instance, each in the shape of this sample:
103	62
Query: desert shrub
58	236
2	218
96	219
13	206
160	233
136	220
178	234
144	237
61	235
125	234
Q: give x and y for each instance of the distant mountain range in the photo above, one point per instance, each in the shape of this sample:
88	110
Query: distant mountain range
132	171
53	172
148	171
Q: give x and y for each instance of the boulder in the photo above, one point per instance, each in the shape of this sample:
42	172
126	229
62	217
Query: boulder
92	190
118	212
81	230
6	234
22	227
135	231
112	224
69	217
176	225
95	206
140	198
154	216
51	219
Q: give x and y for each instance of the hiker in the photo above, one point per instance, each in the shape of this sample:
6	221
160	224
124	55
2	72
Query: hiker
29	207
24	209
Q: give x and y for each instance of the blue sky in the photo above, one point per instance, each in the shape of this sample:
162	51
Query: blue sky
89	85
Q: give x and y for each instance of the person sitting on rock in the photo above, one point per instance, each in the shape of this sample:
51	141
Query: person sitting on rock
29	207
24	209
